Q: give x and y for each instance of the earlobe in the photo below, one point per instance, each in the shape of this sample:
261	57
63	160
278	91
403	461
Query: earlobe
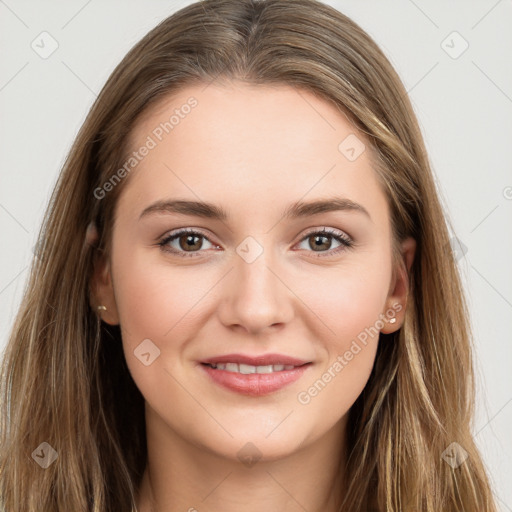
91	235
397	299
101	288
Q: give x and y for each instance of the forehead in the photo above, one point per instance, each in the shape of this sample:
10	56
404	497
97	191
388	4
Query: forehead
248	143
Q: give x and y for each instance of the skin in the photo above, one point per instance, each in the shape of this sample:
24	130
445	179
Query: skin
253	151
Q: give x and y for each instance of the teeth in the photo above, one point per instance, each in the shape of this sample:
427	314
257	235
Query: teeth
265	369
247	369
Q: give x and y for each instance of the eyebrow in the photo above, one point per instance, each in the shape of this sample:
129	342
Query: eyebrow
295	210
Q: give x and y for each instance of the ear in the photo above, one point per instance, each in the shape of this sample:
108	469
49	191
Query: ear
102	291
399	290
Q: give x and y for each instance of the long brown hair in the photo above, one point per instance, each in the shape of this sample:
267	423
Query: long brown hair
65	381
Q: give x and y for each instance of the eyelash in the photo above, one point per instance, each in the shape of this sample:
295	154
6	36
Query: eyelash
346	242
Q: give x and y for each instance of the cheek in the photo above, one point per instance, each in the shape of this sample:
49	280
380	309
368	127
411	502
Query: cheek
350	303
162	304
352	314
348	299
157	299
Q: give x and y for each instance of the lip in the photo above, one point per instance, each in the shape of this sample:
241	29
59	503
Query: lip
261	360
255	384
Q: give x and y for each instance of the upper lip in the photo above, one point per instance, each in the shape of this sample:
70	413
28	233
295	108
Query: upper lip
262	360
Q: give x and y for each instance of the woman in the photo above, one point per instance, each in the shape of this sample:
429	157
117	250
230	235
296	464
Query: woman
267	368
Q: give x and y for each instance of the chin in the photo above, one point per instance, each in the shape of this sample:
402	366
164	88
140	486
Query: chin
253	446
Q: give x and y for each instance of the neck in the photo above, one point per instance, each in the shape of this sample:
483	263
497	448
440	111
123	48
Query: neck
180	476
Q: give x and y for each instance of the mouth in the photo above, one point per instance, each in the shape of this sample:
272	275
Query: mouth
259	360
254	376
247	369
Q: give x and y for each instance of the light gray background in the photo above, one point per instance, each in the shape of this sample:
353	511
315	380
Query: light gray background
464	105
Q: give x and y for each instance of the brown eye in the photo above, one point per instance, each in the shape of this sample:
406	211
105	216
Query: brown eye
190	242
183	242
321	242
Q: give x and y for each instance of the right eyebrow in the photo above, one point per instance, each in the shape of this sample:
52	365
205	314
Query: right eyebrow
195	208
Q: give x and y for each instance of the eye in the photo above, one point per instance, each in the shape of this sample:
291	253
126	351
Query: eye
185	242
320	240
189	242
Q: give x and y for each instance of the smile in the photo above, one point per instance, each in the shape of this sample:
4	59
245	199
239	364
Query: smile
247	369
253	380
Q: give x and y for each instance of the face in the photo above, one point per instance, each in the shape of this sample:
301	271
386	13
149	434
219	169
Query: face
312	286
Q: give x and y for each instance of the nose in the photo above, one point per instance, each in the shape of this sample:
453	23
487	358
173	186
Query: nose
255	296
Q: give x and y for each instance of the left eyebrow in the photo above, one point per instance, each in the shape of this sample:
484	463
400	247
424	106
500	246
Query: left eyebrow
295	210
304	209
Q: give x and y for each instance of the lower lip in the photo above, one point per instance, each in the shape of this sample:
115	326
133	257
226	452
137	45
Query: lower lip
255	384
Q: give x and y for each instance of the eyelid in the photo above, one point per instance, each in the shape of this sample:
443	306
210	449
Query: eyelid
193	231
329	231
